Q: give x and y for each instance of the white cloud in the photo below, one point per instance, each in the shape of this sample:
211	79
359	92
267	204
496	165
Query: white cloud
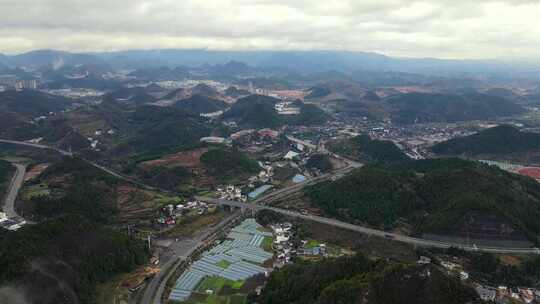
413	28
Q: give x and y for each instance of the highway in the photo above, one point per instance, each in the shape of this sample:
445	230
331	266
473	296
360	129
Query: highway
156	287
16	182
70	154
370	231
181	251
259	204
38	146
282	193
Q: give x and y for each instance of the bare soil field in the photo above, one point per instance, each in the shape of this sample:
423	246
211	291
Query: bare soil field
35	171
186	159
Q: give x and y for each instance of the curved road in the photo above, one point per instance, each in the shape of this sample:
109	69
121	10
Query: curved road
16	182
156	287
67	153
257	205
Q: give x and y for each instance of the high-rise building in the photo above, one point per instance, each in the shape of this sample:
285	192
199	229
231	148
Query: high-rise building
30	84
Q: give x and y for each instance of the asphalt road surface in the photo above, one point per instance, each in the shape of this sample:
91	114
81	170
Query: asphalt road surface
67	153
371	231
16	182
156	286
181	251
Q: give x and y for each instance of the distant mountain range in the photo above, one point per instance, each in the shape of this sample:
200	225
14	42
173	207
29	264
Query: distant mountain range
414	107
57	59
294	61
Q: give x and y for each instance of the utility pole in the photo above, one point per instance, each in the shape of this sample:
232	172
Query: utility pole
149	244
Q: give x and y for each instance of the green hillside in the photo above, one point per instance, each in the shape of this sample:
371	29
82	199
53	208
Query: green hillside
318	92
365	149
255	111
136	95
350	280
17	127
200	104
161	130
74	188
18	108
258	111
228	164
425	107
64	259
497	140
309	115
31	104
449	196
76	243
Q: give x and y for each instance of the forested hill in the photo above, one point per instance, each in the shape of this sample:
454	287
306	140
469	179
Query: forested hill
255	110
75	245
258	111
498	140
156	129
31	104
424	107
448	196
351	280
200	104
136	96
365	149
62	260
229	164
19	108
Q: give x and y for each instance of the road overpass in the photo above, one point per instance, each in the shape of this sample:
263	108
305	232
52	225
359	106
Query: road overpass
370	231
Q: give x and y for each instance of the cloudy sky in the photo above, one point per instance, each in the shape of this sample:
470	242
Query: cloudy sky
408	28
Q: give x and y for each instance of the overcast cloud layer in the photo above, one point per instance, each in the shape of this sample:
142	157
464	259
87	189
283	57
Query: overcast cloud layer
435	28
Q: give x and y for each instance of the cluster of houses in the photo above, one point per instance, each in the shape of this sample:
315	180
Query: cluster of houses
286	249
456	268
254	137
170	213
282	243
287	108
231	193
499	295
503	294
94	141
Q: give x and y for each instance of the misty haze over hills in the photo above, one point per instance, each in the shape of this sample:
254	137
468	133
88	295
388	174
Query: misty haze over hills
293	61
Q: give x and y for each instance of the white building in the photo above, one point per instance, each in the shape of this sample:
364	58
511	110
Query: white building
213	140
